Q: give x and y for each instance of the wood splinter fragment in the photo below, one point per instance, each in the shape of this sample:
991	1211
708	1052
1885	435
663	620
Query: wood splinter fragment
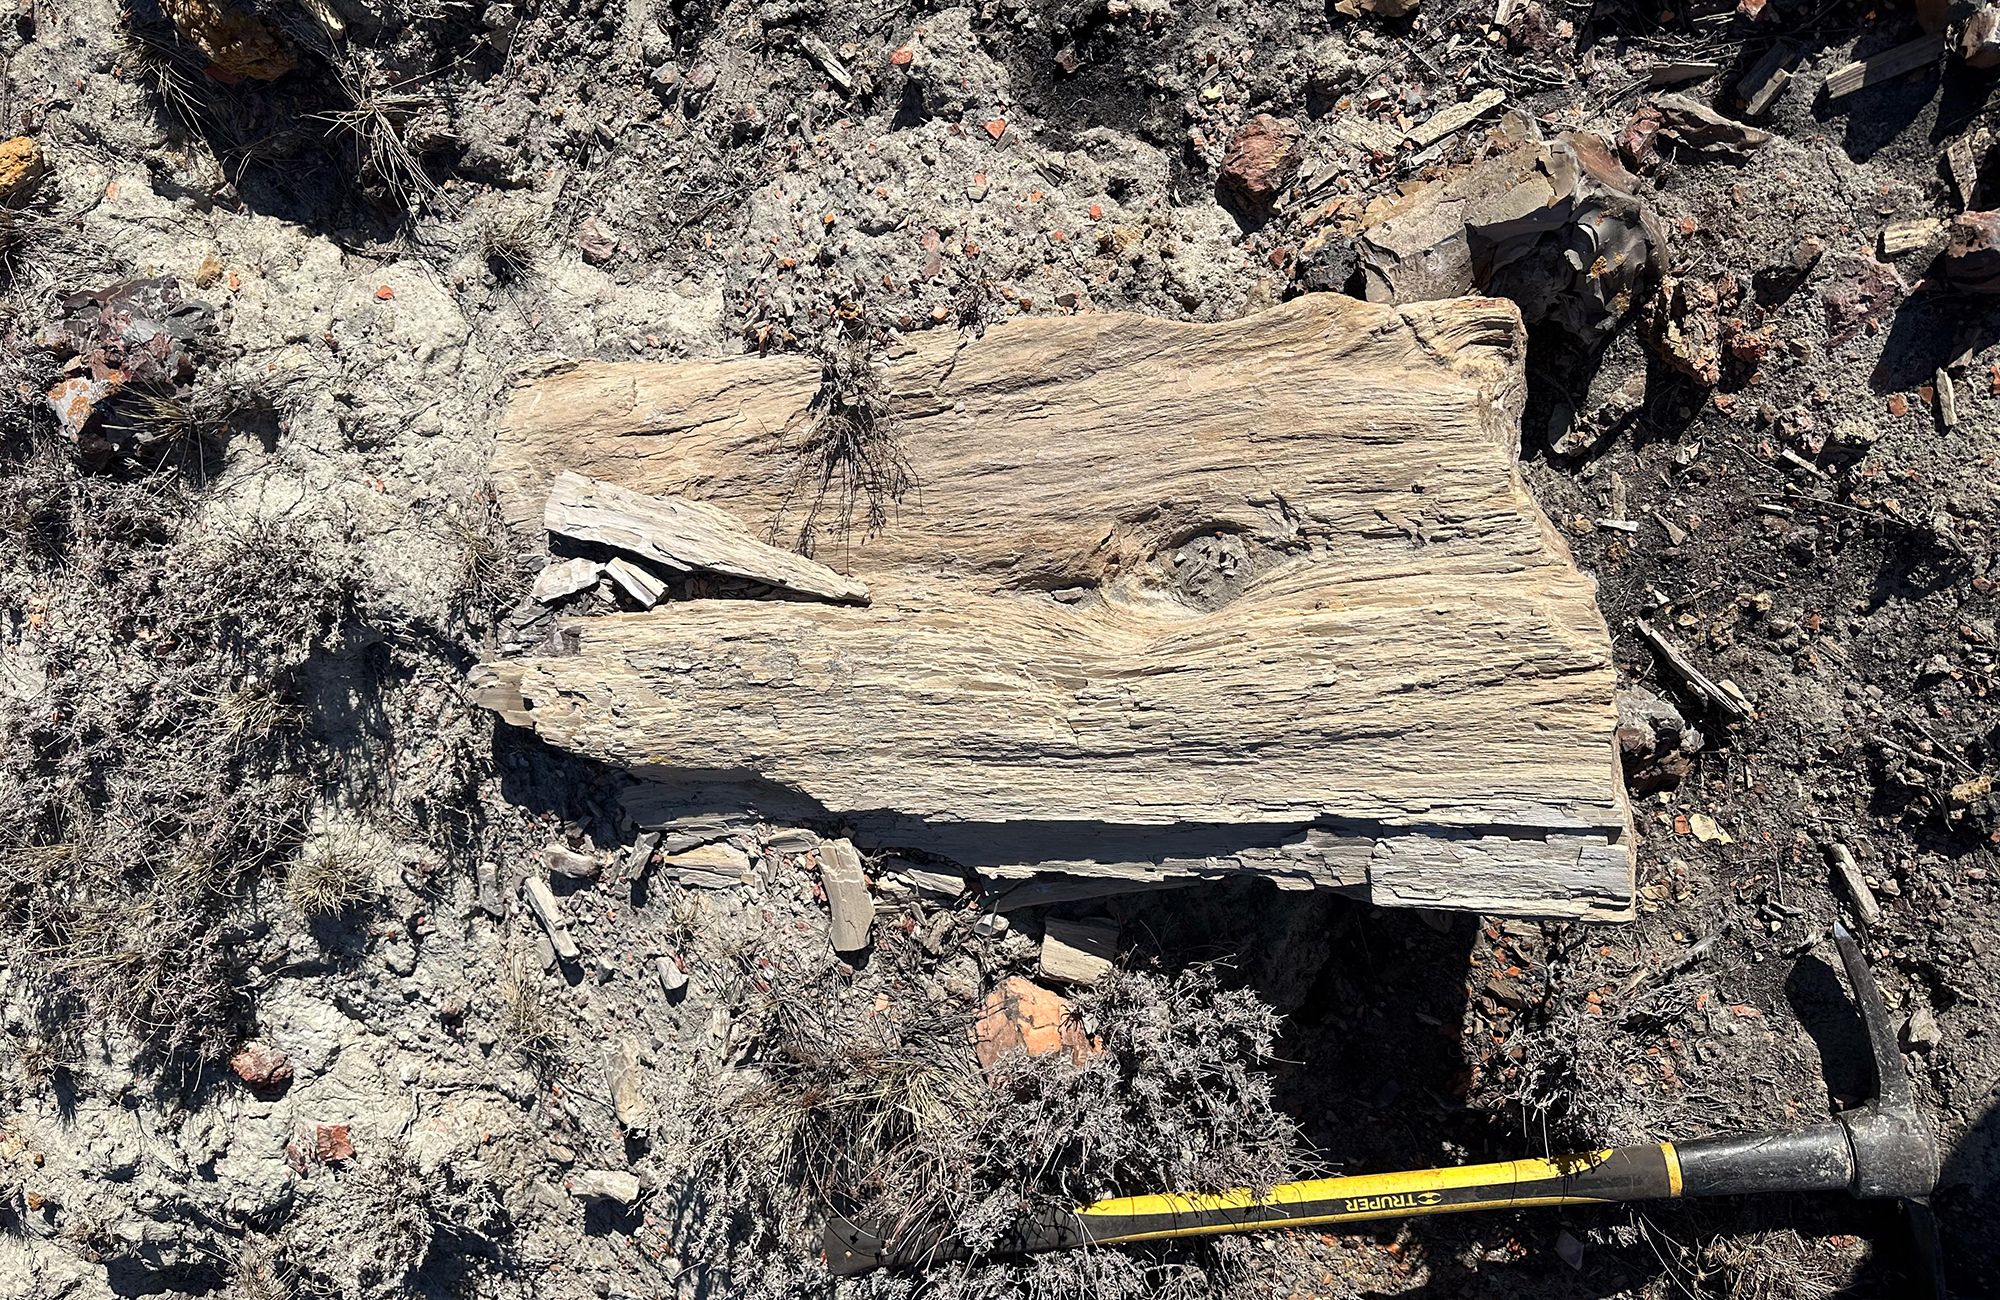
1704	685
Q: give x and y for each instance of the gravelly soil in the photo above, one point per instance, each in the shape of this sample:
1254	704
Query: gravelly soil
432	199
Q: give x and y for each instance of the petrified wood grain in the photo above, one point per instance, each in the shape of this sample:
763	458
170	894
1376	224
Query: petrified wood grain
1168	600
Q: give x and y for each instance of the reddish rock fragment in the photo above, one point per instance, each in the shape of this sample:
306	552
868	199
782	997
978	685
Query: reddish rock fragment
332	1143
596	242
1684	325
1263	158
1636	142
263	1067
1859	289
1022	1016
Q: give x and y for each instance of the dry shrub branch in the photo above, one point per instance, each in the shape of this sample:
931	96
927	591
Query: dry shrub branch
888	1117
154	736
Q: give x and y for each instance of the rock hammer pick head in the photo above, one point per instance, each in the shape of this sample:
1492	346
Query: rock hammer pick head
1895	1152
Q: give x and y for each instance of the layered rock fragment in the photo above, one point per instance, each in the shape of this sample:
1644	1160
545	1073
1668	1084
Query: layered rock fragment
1174	601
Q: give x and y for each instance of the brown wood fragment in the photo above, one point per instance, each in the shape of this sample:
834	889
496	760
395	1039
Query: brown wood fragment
628	1100
542	902
847	896
1078	952
1704	685
1849	873
1890	63
1177	601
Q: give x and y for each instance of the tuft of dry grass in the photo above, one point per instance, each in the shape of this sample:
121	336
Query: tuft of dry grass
846	465
885	1116
147	785
488	577
531	1028
508	237
334	873
373	124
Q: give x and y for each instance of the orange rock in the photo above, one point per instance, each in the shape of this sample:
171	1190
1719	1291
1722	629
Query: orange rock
997	127
331	1142
21	168
237	42
263	1067
902	56
385	293
1022	1016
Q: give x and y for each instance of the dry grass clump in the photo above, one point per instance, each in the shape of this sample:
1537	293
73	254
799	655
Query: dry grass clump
508	237
531	1028
488	577
846	466
154	756
373	124
885	1116
334	872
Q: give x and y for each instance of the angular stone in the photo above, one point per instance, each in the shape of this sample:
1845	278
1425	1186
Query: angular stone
21	169
332	1143
565	578
708	866
1263	158
1022	1017
263	1067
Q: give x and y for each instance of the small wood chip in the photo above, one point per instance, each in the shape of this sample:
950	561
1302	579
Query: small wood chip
672	978
542	902
1672	74
1947	400
1849	873
605	1185
1904	237
1457	117
1704	685
641	855
847	896
636	582
1676	535
563	862
565	578
1078	952
628	1100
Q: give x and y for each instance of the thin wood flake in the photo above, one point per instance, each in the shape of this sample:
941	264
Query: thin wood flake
1167	600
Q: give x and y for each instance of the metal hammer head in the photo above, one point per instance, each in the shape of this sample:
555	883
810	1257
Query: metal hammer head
1895	1153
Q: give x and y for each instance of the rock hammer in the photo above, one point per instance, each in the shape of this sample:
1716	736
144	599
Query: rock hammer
1882	1148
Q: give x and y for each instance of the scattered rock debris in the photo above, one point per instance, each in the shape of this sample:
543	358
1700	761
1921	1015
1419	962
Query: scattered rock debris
297	1003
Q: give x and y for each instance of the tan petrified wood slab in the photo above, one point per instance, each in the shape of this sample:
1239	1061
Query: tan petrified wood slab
1169	599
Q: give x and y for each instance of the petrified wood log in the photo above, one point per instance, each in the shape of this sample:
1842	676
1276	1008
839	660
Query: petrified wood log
1165	600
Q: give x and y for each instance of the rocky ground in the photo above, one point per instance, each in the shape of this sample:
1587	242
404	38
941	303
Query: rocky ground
279	1021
